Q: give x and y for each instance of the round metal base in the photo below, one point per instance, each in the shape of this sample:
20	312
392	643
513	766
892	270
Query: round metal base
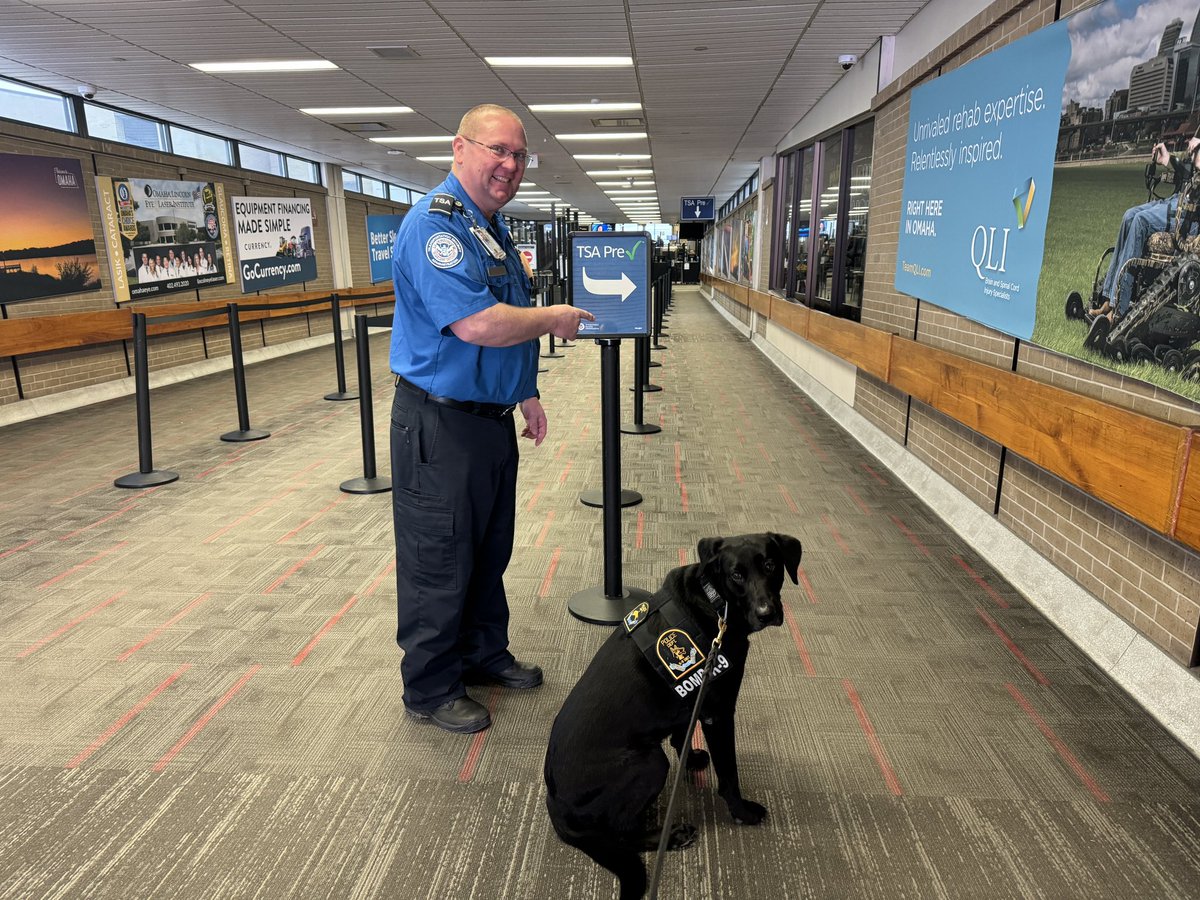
552	356
252	434
655	363
596	498
341	395
146	479
366	485
639	428
648	388
594	607
657	347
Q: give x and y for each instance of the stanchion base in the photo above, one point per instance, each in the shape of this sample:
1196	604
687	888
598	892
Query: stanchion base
563	345
639	428
366	485
540	371
596	498
552	356
655	364
596	608
648	388
146	479
341	395
658	347
253	434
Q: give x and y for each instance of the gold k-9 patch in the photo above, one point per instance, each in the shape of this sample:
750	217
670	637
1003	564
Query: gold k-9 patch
678	652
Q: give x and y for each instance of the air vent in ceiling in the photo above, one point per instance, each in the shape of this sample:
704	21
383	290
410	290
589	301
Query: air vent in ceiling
402	51
632	122
357	127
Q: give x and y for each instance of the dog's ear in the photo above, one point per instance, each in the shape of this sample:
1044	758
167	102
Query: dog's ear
789	552
708	548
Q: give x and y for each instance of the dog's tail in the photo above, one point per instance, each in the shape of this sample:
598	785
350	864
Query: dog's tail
620	859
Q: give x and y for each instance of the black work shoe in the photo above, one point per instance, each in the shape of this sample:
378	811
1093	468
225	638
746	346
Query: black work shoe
519	675
462	716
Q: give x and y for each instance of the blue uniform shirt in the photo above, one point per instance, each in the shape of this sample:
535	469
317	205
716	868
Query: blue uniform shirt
442	273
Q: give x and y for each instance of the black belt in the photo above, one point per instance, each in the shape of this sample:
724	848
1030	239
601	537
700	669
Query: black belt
486	410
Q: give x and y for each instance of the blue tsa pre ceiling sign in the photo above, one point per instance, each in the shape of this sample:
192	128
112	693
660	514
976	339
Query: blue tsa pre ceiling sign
610	278
697	209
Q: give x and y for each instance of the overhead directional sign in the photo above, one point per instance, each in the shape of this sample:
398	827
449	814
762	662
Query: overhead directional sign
697	209
610	278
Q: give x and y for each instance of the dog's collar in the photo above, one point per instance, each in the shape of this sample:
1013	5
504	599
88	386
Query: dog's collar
714	597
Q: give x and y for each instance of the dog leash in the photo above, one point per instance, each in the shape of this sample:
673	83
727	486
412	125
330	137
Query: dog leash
664	836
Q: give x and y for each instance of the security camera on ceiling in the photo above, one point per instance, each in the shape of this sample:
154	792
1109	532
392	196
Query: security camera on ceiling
86	91
847	60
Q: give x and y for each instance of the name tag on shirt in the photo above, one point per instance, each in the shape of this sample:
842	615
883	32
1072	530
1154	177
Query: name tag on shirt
494	271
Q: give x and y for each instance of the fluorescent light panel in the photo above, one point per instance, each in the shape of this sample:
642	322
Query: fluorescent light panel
631	192
439	139
597	173
558	62
584	107
356	110
265	65
601	136
624	184
612	155
435	159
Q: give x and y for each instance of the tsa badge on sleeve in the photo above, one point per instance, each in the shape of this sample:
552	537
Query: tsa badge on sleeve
444	250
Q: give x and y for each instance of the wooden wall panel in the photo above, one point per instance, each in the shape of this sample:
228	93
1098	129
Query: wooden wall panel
868	348
1187	526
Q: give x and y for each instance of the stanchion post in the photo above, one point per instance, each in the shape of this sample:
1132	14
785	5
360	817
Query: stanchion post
641	360
146	475
244	432
369	483
338	357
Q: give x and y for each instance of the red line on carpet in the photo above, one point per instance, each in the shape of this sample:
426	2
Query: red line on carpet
683	496
683	556
808	588
544	590
736	471
537	492
116	726
566	471
583	432
858	500
641	524
37	645
1056	742
1013	648
874	474
475	751
798	639
374	585
908	533
678	464
991	591
788	497
293	570
86	490
153	635
864	722
765	455
82	565
8	553
329	623
109	517
254	512
813	445
837	535
562	445
205	719
295	531
541	538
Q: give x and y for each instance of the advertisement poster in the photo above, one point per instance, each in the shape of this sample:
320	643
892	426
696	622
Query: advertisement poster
381	238
1119	285
977	182
164	236
274	241
47	246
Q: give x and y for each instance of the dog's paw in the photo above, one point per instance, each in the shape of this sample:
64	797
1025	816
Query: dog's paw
747	812
697	760
682	835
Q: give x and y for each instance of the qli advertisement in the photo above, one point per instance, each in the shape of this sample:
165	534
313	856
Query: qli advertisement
274	242
381	238
163	236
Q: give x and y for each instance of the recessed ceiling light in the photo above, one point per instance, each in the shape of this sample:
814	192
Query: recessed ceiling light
583	107
612	156
559	61
263	65
436	159
356	110
652	192
431	139
601	136
603	172
629	182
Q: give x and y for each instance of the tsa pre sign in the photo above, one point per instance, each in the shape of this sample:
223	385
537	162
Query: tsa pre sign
610	278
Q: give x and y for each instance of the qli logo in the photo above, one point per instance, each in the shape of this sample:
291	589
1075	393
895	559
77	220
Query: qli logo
985	253
1022	199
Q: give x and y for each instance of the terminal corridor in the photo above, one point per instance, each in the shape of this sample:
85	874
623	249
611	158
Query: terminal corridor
200	692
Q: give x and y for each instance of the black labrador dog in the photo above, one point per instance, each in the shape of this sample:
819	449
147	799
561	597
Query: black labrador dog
605	764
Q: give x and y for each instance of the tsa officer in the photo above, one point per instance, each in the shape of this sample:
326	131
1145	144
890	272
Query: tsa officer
464	352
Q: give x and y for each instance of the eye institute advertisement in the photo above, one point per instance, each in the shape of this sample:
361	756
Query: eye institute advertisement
274	240
610	278
977	183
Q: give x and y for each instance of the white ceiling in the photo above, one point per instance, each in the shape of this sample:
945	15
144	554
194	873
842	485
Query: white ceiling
720	81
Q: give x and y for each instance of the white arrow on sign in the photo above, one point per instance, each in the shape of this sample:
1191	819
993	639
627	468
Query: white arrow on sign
623	286
698	210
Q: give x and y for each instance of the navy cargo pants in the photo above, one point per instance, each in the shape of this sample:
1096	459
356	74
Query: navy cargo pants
454	487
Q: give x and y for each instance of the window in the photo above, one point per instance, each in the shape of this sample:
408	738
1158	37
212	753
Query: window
798	285
186	142
373	187
35	106
114	125
260	160
399	194
827	211
350	182
303	170
858	200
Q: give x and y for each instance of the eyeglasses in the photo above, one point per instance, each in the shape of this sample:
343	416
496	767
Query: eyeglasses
520	157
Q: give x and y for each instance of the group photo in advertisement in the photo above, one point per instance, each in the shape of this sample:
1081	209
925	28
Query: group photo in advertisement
163	236
47	247
1120	284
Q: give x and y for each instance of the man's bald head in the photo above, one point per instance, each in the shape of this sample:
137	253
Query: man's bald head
475	118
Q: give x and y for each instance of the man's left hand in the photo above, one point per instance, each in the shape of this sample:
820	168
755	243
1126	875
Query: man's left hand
535	420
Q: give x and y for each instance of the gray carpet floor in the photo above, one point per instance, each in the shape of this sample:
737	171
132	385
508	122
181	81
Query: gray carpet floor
200	695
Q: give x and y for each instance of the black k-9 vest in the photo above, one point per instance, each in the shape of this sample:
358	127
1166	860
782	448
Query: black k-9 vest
673	643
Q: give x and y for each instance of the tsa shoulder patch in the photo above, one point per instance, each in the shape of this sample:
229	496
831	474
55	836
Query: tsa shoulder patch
443	203
444	250
670	640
